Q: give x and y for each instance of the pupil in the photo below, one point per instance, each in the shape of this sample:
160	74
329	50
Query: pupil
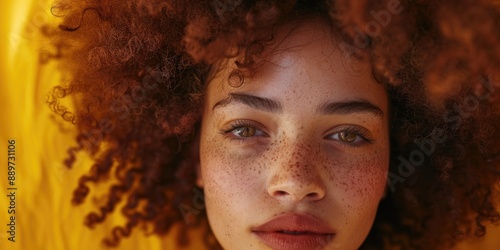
246	132
348	137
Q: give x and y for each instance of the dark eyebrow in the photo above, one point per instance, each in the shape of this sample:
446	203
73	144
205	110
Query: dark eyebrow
356	106
269	105
256	102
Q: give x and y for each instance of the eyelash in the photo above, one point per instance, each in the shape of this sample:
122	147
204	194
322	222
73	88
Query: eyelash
361	133
241	124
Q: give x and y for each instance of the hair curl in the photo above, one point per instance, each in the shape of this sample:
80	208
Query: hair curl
138	69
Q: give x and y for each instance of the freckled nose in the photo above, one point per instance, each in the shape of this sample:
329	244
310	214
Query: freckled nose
296	182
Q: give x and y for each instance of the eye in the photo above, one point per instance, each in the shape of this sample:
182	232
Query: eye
353	136
243	130
348	137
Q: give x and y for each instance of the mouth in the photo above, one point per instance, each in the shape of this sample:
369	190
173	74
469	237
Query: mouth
294	232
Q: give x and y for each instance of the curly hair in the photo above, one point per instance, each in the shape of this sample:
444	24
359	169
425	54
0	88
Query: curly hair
137	71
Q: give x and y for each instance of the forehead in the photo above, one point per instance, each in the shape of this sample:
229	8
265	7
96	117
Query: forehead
303	66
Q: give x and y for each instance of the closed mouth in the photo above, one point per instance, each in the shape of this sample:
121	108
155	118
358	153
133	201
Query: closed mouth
294	232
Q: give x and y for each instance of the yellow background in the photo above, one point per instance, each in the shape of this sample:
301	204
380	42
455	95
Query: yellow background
45	218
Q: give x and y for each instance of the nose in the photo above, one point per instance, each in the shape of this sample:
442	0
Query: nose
296	178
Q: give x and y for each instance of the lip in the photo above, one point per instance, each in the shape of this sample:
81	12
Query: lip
294	232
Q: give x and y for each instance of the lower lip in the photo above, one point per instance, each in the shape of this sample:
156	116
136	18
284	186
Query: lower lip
281	241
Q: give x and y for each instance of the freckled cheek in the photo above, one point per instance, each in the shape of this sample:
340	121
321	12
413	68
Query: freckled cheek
362	181
227	175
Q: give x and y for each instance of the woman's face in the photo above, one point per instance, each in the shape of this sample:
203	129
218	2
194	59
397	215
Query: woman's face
296	157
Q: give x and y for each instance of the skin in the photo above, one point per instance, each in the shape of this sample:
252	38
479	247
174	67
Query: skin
257	163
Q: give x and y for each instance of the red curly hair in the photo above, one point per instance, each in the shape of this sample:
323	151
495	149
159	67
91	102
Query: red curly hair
138	70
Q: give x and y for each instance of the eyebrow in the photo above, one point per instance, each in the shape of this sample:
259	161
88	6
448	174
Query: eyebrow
256	102
329	108
354	106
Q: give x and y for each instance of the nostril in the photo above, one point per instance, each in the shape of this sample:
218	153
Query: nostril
280	193
312	195
294	190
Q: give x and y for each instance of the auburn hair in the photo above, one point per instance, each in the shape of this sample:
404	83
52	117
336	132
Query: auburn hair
137	71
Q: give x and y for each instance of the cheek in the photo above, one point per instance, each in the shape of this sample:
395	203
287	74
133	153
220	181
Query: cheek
227	177
231	188
360	181
220	167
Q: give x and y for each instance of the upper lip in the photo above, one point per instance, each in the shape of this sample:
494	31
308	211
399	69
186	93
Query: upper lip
292	222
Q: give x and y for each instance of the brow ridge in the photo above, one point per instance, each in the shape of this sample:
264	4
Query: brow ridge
347	107
270	105
256	102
